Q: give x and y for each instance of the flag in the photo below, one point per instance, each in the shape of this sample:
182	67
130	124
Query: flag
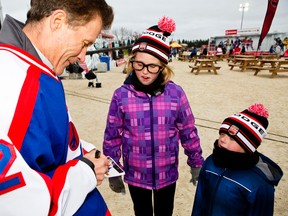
271	9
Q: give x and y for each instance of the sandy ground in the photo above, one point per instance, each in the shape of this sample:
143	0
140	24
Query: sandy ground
212	99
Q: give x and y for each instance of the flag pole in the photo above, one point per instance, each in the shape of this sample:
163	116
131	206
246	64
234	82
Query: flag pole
271	9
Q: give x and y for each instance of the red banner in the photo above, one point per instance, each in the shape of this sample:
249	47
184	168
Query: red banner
231	32
271	9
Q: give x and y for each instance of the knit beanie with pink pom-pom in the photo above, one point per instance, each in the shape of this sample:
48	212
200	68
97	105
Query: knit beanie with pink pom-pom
155	39
247	128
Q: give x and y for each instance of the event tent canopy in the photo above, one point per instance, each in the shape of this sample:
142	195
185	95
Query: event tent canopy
175	45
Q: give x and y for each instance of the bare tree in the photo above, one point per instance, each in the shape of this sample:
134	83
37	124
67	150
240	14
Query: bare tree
115	32
123	35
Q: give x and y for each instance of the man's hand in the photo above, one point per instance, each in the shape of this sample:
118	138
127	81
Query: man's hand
195	174
101	164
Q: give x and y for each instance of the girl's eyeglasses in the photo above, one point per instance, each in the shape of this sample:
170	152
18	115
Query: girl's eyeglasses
151	68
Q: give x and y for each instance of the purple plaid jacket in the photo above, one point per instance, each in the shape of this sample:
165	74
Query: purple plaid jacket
147	131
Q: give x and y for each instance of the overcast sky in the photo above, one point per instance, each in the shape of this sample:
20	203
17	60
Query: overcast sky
194	19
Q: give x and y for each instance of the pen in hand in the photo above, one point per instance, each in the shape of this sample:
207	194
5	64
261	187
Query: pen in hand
97	154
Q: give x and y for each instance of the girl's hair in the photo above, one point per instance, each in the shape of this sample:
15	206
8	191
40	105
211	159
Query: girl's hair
79	12
167	71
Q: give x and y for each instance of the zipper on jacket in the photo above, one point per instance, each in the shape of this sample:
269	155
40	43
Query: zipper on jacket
214	192
152	142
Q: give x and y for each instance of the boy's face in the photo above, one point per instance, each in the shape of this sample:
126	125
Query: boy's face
229	143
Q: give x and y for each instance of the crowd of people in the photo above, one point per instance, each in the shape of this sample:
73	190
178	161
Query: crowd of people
240	46
237	46
279	46
44	161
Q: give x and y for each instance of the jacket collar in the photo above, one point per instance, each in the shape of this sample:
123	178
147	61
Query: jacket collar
12	34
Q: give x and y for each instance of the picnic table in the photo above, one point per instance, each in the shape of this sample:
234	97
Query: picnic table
210	57
271	56
275	66
184	56
245	56
233	56
204	64
220	56
242	63
264	64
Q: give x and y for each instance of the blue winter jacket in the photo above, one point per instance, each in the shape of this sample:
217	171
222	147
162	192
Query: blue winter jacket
227	192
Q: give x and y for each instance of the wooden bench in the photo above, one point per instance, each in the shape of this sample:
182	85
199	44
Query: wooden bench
259	68
229	58
192	59
270	56
180	58
282	66
278	66
275	71
232	65
193	67
184	56
209	68
243	63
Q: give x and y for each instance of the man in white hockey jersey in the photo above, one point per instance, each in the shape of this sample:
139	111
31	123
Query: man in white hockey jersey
45	169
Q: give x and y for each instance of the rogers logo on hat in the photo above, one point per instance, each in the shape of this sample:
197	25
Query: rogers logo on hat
233	130
142	46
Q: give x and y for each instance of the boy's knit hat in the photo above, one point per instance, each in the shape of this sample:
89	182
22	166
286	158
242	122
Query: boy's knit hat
247	128
155	40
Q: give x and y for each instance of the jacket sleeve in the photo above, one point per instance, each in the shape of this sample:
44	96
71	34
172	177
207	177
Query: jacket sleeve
21	186
86	146
199	199
188	133
113	131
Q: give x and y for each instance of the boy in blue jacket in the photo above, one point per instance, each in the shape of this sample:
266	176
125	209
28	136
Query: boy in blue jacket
236	179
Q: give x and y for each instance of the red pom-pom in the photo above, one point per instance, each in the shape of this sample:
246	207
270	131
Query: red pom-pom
167	24
259	109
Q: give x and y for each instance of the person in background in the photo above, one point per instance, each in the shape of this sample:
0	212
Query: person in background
219	50
148	116
204	52
236	179
231	50
285	42
174	52
193	53
278	42
250	43
45	168
75	70
272	49
224	50
243	49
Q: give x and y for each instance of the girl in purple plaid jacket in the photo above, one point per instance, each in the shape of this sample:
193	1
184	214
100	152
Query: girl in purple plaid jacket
148	116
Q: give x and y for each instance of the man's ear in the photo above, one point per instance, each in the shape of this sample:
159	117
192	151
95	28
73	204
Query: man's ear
58	18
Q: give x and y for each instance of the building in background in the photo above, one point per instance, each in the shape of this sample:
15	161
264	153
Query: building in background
245	37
